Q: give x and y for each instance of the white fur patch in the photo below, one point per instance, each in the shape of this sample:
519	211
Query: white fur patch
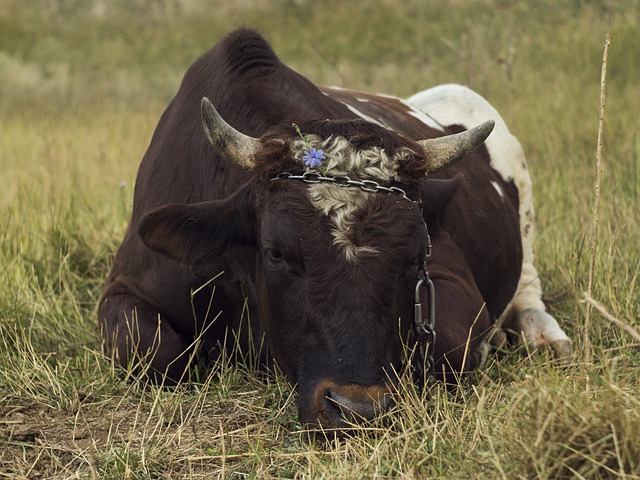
365	117
424	117
498	188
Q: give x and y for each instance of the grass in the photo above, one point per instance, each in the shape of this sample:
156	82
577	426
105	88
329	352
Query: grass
82	85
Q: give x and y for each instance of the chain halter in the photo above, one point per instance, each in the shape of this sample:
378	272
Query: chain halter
344	181
423	363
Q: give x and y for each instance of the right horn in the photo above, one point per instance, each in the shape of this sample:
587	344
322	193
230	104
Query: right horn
234	146
443	152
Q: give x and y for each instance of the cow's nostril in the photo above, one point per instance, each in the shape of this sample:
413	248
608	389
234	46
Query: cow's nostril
338	406
361	407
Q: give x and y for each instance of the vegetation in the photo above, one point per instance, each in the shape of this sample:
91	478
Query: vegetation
82	85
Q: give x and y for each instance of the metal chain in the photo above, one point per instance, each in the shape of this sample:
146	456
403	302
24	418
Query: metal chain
424	327
344	181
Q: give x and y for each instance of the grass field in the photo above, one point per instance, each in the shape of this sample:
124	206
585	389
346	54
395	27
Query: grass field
82	86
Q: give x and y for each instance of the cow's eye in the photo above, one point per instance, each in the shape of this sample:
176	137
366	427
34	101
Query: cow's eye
274	255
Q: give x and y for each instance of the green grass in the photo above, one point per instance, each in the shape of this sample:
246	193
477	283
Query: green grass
82	85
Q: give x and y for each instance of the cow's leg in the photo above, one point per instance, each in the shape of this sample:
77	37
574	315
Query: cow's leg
140	337
526	314
527	318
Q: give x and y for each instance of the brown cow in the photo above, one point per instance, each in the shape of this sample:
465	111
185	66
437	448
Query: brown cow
303	220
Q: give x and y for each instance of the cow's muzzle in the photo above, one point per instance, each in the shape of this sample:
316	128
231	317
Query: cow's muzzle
339	407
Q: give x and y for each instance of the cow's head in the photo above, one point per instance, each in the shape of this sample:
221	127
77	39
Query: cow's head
335	266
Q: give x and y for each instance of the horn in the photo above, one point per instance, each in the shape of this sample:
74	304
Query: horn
234	146
444	152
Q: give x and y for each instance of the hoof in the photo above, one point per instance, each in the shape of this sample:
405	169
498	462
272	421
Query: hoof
538	329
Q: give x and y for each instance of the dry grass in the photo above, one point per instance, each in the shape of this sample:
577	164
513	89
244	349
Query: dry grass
82	85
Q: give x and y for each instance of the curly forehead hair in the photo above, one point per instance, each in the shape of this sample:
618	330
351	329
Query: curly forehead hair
351	147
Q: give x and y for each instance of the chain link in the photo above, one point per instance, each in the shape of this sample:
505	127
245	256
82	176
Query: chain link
344	181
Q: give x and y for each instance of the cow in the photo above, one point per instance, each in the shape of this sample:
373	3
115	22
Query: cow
299	226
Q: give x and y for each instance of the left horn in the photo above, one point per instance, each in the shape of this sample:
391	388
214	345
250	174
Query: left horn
233	145
443	152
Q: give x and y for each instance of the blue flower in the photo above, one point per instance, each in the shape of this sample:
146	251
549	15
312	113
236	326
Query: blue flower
313	158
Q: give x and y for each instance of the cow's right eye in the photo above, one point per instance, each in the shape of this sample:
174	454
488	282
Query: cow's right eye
274	255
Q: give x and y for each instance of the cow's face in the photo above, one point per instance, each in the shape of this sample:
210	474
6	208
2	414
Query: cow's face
335	266
335	292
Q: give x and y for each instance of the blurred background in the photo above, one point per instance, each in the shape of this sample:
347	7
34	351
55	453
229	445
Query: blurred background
83	84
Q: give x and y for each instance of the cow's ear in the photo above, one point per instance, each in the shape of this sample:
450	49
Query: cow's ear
436	195
196	233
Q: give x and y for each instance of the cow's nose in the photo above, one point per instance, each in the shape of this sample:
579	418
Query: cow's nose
337	406
360	407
